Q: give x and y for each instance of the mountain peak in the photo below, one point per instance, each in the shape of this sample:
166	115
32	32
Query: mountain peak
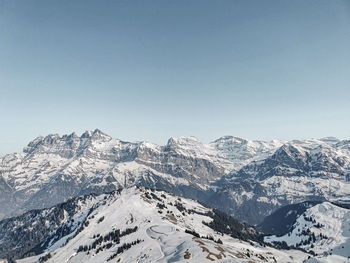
86	134
41	140
70	136
52	143
182	140
96	134
230	139
330	140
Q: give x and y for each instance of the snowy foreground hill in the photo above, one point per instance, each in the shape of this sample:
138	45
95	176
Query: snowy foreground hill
135	225
244	178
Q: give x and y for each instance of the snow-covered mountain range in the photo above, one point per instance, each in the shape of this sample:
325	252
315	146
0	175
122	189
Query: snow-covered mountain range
247	179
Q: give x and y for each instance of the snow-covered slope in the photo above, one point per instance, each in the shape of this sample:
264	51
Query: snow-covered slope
323	229
249	179
282	220
140	225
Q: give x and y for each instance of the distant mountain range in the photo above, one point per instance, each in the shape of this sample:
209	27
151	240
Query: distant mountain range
247	179
92	198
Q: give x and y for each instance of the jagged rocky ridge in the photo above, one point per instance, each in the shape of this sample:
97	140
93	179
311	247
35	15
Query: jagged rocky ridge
248	179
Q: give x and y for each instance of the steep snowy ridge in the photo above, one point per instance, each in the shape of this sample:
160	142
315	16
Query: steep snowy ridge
282	220
36	230
141	225
323	229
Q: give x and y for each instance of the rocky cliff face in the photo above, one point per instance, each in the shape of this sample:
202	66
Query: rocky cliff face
249	179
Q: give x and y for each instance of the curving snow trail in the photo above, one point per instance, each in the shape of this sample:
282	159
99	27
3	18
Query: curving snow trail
157	232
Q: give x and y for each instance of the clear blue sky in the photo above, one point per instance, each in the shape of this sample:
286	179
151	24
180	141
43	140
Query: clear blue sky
149	70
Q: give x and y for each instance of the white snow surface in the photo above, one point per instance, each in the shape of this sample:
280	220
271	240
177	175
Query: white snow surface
163	234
